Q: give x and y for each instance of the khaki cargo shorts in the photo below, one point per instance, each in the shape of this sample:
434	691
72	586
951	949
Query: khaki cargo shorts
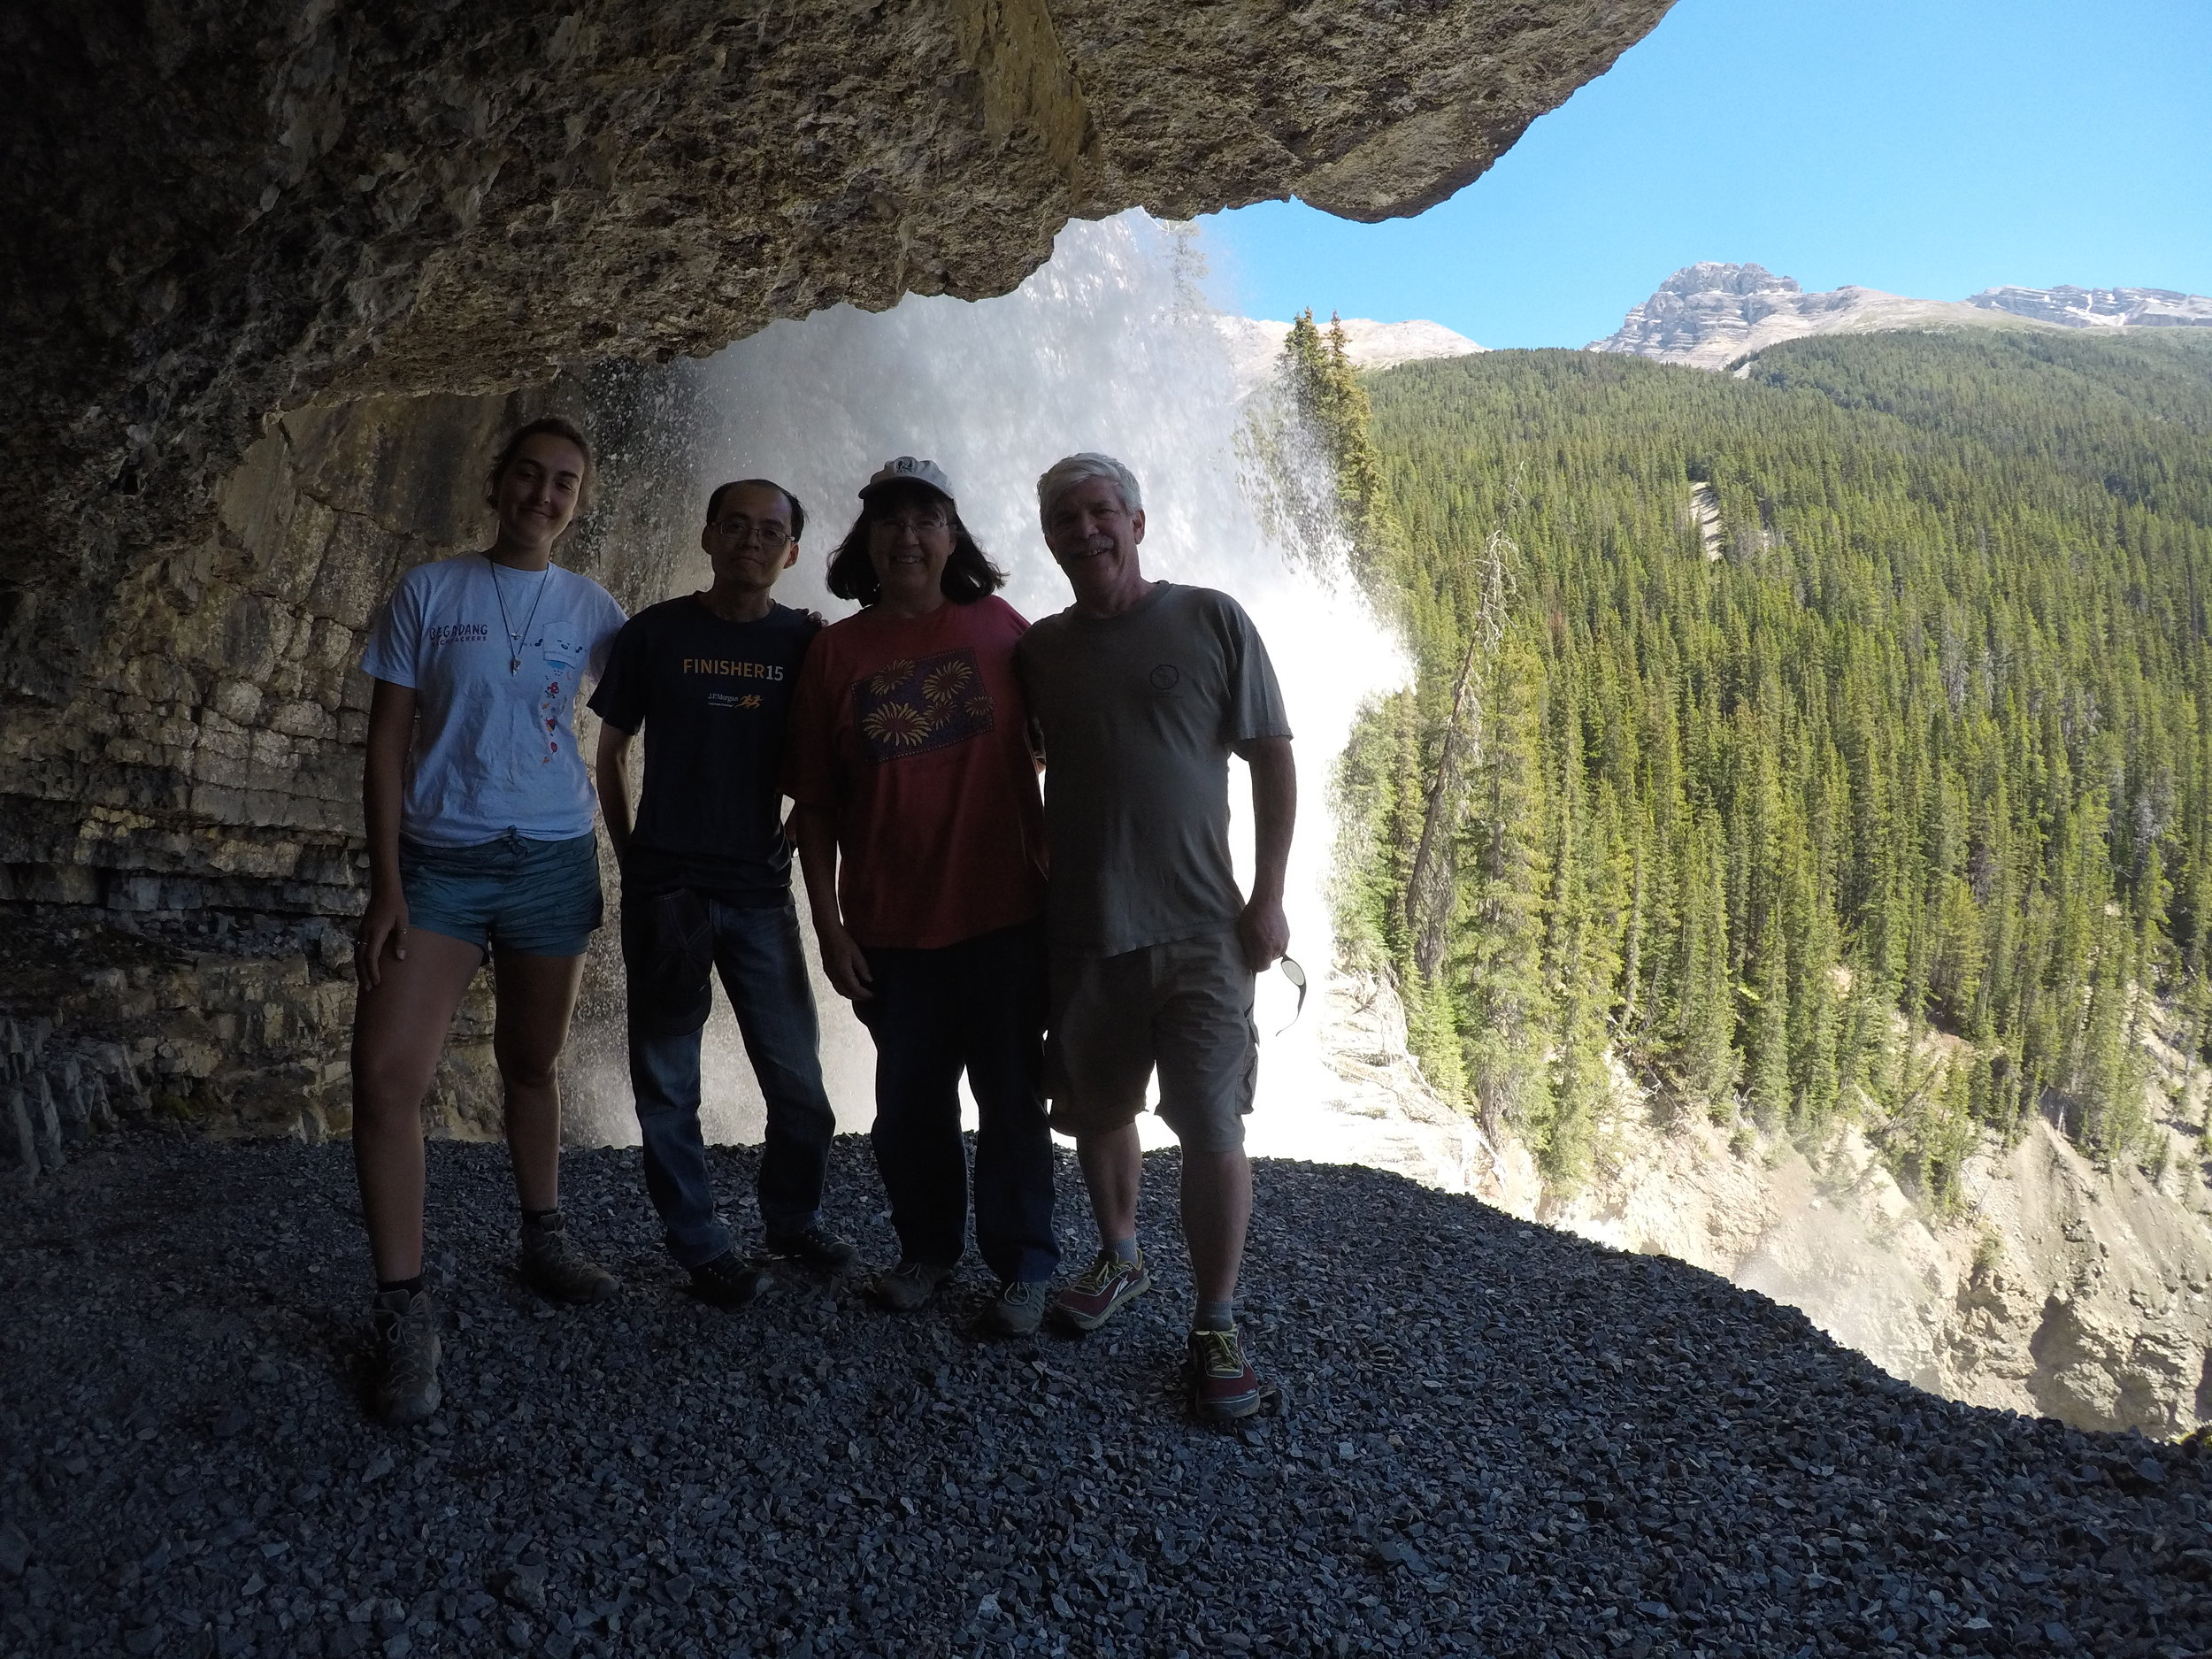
1184	1008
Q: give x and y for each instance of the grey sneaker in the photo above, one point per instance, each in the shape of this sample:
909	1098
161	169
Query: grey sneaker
908	1286
407	1356
1016	1311
556	1269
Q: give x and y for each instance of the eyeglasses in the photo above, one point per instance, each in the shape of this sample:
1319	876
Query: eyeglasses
1297	975
920	523
768	535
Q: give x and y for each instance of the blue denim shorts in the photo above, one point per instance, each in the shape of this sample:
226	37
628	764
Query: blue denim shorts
534	898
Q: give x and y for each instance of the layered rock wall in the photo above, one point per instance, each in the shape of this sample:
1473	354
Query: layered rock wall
180	855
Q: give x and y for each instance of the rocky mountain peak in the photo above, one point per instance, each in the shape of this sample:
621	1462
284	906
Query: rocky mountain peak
1710	277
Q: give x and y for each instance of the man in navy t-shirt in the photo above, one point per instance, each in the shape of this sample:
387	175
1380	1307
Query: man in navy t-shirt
706	885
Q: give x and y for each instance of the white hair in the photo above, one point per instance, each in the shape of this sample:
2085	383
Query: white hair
1065	475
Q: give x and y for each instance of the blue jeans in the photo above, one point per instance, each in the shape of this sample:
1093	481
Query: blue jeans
758	952
977	1006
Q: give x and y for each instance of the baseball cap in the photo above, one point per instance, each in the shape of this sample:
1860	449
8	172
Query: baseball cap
907	469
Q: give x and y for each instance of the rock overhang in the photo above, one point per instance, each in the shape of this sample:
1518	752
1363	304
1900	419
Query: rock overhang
224	215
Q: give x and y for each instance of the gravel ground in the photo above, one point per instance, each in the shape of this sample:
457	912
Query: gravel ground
1499	1441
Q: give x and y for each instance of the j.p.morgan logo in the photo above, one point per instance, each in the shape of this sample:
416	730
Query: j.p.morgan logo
460	634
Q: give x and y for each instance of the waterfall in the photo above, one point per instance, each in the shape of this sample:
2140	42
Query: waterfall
1110	346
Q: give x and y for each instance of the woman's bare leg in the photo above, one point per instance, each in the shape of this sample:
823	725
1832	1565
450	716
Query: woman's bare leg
536	996
399	1030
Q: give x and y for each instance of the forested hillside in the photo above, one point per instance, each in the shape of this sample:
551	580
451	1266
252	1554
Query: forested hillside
1766	725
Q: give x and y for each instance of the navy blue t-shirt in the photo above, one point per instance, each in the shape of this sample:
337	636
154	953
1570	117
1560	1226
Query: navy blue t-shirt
712	696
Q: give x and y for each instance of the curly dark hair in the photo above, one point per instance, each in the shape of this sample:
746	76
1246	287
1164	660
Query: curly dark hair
968	573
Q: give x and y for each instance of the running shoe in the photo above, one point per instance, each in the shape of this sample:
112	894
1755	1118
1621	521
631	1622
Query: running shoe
1221	1380
1098	1292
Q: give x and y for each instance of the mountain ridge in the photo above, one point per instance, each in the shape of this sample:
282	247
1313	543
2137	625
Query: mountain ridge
1711	314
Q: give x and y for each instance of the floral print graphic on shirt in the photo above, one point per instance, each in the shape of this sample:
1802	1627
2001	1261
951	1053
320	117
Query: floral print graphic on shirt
912	707
564	658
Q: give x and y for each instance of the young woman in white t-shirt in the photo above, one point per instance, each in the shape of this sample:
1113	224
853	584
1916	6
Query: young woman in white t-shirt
479	813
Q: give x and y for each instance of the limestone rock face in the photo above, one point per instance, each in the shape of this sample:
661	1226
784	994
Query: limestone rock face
180	854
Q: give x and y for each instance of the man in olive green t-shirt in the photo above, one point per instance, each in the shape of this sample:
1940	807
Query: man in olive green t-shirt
1142	690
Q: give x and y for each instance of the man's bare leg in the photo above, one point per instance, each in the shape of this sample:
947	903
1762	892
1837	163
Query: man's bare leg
1113	1172
1217	1210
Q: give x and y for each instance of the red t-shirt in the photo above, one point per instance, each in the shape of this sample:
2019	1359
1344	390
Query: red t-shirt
916	733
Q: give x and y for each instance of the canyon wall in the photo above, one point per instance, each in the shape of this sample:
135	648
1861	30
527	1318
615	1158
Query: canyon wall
2050	1286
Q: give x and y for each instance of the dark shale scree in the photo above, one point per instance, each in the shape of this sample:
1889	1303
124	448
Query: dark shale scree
1501	1441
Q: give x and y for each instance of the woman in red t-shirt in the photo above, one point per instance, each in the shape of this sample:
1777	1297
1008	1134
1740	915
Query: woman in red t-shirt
921	834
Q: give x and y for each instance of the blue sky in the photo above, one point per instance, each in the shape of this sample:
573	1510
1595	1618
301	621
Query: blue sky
1931	147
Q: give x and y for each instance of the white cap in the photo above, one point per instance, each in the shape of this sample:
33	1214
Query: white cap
907	469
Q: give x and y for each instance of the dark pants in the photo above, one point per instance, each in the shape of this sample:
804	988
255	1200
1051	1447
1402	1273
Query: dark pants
977	1006
758	952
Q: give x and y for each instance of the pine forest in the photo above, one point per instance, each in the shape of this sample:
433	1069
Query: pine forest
1827	739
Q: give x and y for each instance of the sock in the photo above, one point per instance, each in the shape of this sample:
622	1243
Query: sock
539	1218
410	1285
1124	1250
1215	1316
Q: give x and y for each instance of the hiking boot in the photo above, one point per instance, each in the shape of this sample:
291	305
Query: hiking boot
815	1245
1016	1311
729	1280
1096	1294
1221	1380
407	1387
908	1286
556	1269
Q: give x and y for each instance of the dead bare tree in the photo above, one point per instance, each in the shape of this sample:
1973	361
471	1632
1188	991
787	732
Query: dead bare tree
1431	887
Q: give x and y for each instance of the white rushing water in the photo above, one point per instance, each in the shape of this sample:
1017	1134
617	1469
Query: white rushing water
1108	347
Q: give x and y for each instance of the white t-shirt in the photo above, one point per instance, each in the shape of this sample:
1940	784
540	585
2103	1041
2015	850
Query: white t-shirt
495	747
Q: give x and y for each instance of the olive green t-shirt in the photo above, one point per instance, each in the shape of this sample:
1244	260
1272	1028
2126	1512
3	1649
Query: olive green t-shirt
1139	711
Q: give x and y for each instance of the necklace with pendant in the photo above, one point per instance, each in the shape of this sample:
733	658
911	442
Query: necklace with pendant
514	638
